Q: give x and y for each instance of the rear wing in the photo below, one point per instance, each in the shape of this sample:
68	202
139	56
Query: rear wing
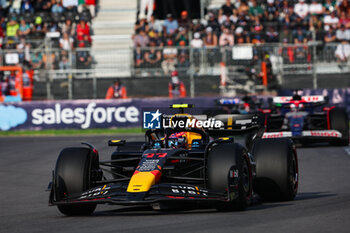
311	99
236	124
232	101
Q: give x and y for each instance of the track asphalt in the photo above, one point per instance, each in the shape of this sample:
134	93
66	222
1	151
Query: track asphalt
322	203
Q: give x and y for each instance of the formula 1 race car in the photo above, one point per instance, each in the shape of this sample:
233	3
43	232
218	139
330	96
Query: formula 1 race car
182	166
296	117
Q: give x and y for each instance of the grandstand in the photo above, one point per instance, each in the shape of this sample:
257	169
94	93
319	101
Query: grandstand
254	45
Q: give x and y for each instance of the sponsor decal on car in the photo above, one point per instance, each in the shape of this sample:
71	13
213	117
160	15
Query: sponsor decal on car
277	135
323	133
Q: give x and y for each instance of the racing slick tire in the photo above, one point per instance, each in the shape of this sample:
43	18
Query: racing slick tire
338	119
276	169
221	158
73	174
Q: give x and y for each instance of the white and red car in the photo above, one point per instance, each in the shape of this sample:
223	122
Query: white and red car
303	119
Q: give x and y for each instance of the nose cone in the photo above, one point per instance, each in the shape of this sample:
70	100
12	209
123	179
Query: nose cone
143	181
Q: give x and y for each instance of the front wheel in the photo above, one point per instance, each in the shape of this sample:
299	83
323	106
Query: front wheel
74	174
221	159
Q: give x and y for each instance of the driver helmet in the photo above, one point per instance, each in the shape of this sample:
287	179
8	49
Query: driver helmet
177	140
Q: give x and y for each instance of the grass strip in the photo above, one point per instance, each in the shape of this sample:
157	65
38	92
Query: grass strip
70	132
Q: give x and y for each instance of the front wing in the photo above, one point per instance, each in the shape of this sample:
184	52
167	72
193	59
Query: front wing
117	194
321	135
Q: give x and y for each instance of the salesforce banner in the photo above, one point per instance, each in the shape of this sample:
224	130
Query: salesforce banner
83	114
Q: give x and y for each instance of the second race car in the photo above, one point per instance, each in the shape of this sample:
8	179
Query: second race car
298	117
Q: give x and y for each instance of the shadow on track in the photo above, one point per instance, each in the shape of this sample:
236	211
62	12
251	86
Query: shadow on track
313	195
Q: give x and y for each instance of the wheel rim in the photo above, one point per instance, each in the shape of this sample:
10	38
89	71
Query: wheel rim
293	173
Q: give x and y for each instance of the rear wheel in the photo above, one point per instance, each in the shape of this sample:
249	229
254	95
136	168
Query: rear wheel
338	119
74	172
221	158
277	174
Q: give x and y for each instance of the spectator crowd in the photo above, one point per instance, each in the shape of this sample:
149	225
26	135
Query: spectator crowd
291	22
24	24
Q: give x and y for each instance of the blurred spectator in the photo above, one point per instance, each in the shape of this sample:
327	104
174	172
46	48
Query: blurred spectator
83	59
271	12
23	49
226	9
182	36
138	57
85	43
4	90
141	39
176	87
314	23
50	62
226	38
11	79
66	42
146	5
170	26
91	5
255	10
155	24
154	36
240	37
57	7
343	34
315	8
345	19
329	35
184	20
210	38
196	43
344	6
169	56
271	35
331	20
24	28
301	9
183	58
286	36
213	23
197	26
11	29
300	36
243	8
329	5
70	5
343	52
83	29
226	22
81	6
257	36
64	63
15	6
141	24
152	56
68	27
39	28
27	7
36	60
116	91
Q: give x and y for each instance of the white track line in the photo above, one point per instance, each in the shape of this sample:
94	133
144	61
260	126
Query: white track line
347	150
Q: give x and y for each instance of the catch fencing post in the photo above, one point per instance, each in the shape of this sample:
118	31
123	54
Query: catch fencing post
314	59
